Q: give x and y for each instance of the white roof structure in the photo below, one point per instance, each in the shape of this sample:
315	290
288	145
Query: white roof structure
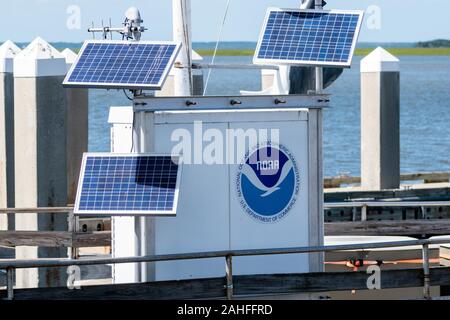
70	56
39	59
379	60
196	56
8	50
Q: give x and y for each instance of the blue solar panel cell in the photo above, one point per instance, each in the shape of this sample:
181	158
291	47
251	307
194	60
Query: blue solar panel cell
120	64
309	37
128	184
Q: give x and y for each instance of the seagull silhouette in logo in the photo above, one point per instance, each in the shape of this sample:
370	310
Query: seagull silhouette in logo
251	175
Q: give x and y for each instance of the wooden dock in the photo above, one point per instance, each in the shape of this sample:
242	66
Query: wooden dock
417	210
235	286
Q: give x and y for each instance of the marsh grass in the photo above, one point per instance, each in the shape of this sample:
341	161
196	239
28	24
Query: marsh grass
358	52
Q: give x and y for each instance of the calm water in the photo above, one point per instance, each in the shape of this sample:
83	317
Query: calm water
425	116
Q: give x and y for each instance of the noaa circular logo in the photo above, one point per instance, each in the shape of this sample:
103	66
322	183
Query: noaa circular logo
268	183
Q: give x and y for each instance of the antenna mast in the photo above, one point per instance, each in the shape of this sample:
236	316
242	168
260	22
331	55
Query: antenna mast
319	70
182	33
131	30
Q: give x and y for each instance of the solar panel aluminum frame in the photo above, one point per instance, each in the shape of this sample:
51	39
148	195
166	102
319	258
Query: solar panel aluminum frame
90	85
346	64
135	213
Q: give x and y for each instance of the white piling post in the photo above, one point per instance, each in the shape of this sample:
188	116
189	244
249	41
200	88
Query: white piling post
8	51
181	11
40	129
380	121
77	130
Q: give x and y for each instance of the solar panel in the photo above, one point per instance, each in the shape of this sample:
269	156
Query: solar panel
128	184
122	65
308	37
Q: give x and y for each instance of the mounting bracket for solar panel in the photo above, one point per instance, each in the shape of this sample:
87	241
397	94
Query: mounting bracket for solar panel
196	103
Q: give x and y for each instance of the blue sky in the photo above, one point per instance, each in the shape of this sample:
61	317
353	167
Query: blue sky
401	20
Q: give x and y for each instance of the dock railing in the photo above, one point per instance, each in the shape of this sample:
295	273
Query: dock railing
73	239
11	265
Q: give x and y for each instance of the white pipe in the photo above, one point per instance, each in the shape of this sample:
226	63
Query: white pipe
181	12
319	70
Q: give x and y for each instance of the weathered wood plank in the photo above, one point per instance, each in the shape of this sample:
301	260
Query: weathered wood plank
92	239
336	182
431	194
167	290
427	177
335	281
35	238
243	285
54	239
37	210
388	228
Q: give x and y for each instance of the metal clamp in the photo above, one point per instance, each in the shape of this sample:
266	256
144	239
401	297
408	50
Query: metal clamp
190	103
279	101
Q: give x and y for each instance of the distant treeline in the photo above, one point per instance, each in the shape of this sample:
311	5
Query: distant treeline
238	48
439	43
359	52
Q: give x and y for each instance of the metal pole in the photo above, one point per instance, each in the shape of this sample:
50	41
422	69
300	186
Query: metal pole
424	215
143	142
140	222
426	272
47	263
423	212
364	213
229	271
354	214
319	70
233	66
143	247
10	283
182	33
72	227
